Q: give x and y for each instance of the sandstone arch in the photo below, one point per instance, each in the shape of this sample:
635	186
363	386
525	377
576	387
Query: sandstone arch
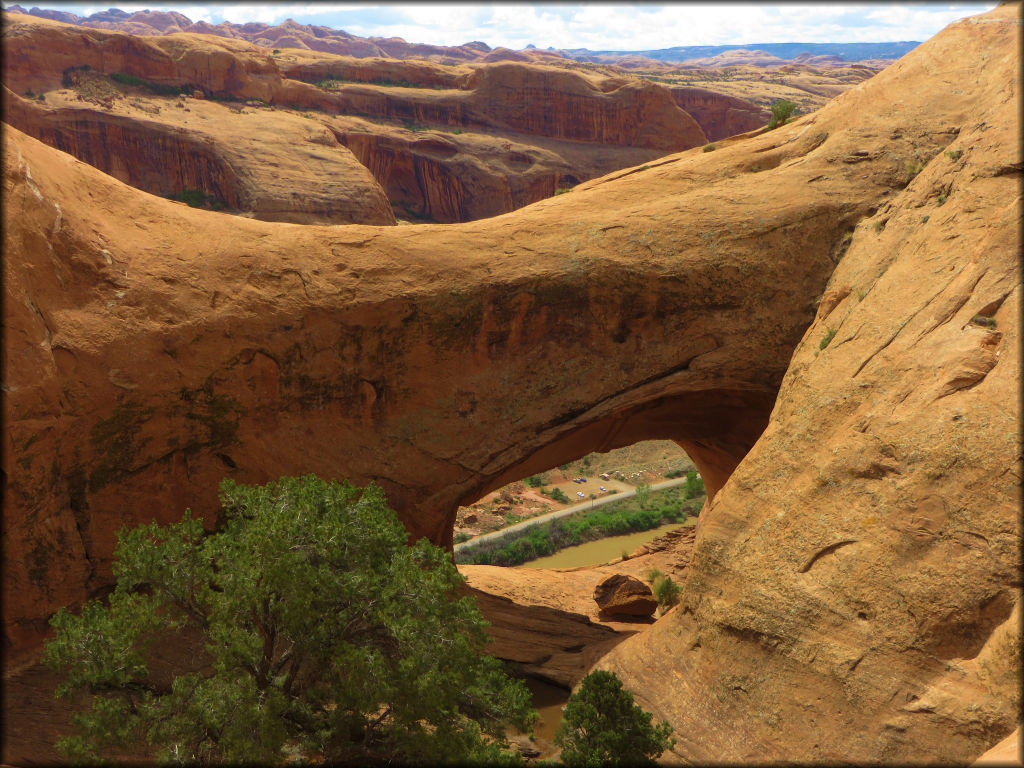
151	349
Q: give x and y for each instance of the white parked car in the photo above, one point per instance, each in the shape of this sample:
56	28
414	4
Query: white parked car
604	489
580	494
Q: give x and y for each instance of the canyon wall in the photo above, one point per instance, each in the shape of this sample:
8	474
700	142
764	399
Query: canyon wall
854	591
456	143
270	165
718	115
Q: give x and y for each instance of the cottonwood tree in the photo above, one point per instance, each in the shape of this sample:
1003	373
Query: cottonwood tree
316	633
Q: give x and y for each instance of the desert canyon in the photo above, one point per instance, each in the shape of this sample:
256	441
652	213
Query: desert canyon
443	270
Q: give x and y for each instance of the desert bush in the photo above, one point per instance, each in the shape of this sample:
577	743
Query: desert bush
694	485
827	338
782	111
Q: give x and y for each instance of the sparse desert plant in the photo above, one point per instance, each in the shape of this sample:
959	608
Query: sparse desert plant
710	147
827	338
782	111
694	486
666	592
954	154
942	198
911	168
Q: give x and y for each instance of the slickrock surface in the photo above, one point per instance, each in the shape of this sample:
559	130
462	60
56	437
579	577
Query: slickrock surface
446	143
854	588
1006	753
273	165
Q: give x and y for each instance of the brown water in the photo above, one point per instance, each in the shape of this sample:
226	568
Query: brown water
548	700
600	551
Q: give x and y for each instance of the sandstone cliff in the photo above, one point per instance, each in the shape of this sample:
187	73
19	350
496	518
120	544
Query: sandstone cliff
445	143
854	589
718	115
273	166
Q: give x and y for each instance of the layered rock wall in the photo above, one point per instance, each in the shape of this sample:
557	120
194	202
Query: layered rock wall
718	115
267	165
854	590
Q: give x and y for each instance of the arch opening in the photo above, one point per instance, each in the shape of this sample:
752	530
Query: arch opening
715	428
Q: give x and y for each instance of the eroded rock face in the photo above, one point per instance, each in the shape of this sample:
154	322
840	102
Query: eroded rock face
454	143
854	591
165	348
272	165
622	595
719	115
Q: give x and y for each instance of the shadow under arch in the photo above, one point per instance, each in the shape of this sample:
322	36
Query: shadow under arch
716	428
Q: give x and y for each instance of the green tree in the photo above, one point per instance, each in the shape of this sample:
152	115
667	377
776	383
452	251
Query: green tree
782	111
694	485
643	495
602	726
324	635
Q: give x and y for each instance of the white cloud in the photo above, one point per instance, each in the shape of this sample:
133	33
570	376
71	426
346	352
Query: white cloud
598	26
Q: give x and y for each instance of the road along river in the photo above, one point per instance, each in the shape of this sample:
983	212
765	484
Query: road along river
585	506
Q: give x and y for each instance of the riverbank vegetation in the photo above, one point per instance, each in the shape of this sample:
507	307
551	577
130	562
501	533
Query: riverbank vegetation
642	512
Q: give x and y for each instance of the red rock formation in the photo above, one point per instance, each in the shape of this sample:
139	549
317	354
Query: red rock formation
269	165
375	70
719	115
618	121
447	177
854	591
622	595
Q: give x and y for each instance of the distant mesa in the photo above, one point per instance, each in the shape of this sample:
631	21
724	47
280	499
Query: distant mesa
291	33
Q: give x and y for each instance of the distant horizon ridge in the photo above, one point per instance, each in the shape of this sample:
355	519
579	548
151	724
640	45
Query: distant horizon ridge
851	52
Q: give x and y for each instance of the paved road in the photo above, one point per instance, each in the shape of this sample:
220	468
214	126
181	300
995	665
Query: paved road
585	506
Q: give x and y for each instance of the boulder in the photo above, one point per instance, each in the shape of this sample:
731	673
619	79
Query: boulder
624	595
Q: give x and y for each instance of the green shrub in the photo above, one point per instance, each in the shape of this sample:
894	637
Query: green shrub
602	726
196	198
827	338
462	536
555	493
954	154
161	89
536	481
319	631
711	147
666	592
694	485
782	111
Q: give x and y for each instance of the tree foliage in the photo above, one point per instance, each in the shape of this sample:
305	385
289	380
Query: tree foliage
315	632
782	111
601	726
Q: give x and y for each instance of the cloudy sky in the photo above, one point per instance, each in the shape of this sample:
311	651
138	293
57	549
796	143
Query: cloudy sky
598	26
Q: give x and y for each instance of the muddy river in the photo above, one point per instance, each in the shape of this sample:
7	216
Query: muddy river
600	551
